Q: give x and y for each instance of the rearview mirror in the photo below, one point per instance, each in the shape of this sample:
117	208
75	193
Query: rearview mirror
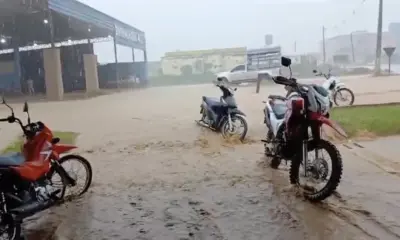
286	61
26	108
314	71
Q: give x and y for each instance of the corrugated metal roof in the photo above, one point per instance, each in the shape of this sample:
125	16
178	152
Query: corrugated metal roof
126	34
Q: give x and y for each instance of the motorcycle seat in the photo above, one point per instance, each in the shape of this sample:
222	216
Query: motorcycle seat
11	159
212	101
278	97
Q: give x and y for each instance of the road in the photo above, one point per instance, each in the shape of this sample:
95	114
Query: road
157	175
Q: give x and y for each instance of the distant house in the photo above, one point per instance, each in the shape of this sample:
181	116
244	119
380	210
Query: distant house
202	61
364	46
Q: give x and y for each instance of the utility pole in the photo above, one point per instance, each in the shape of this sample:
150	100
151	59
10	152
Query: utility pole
352	47
295	46
379	41
323	44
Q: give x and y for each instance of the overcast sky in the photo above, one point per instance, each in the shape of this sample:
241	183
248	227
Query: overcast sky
172	25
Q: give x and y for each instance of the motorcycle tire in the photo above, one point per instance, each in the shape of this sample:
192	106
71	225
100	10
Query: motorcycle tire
343	90
275	162
225	123
14	228
334	180
86	164
272	161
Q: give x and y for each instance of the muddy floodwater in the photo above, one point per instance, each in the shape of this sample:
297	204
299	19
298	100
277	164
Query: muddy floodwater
158	175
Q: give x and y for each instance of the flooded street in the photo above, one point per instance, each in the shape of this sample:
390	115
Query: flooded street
157	175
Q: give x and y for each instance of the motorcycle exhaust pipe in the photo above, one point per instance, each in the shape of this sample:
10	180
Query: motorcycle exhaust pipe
32	208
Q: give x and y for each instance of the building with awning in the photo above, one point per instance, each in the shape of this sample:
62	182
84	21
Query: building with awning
48	25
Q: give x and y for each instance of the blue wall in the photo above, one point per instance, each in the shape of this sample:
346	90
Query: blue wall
11	81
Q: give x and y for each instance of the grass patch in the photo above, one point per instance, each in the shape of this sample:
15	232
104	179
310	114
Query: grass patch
377	120
65	137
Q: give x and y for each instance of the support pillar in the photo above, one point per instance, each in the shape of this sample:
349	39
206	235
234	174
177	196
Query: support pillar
17	84
145	65
91	75
53	74
116	56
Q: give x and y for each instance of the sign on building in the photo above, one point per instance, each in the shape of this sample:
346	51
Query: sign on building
264	58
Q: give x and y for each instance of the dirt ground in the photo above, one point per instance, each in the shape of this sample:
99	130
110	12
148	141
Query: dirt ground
157	175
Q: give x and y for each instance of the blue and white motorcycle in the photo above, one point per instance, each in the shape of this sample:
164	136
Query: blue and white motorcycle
222	114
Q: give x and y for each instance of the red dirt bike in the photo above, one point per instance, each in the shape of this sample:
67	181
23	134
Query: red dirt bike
27	178
307	111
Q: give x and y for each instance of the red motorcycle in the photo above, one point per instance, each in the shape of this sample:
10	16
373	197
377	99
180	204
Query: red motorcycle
27	179
307	111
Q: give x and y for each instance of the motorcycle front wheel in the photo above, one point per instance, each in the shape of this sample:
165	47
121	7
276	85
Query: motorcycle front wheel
318	172
230	131
339	95
76	160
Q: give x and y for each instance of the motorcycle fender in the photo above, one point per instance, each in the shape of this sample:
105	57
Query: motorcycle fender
59	149
203	106
334	125
266	116
339	86
236	111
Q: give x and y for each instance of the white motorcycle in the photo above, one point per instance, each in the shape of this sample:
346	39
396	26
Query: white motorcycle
338	91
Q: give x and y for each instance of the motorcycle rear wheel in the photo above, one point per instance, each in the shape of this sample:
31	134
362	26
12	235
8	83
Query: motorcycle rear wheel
12	229
334	180
273	161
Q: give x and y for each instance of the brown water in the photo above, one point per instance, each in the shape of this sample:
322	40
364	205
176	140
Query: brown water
157	175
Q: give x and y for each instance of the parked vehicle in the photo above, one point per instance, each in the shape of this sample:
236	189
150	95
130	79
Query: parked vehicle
241	74
337	89
223	114
261	63
28	179
294	130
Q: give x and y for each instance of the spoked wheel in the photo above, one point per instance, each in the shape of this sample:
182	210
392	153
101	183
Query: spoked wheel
9	228
80	170
314	178
272	160
238	128
345	96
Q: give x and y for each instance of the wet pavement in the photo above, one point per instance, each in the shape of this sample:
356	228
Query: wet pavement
157	175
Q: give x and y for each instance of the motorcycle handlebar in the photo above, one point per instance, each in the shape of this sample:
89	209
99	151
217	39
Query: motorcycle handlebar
13	119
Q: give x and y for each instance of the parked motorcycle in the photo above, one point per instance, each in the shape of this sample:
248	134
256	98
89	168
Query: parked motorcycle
294	125
223	114
337	89
27	179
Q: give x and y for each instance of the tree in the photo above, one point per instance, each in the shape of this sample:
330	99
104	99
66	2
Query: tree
186	70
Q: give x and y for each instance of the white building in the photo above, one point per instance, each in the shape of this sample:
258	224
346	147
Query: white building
202	61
